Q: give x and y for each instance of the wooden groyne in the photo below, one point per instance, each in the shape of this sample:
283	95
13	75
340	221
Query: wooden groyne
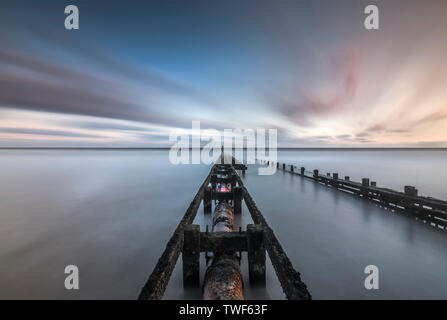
426	209
256	240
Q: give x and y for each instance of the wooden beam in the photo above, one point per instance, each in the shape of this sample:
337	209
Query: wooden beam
256	254
223	241
191	256
155	286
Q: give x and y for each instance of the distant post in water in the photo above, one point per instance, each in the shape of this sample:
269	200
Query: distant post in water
365	182
411	191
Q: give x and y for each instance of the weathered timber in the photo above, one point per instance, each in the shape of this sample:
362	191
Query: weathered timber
426	209
159	278
237	196
293	287
221	196
207	200
223	279
256	254
221	241
191	256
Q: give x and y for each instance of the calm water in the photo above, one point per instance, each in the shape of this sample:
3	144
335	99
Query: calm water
111	213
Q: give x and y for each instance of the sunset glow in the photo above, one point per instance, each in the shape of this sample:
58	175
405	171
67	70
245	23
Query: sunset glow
311	71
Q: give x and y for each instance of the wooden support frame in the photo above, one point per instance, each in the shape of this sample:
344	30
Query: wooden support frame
220	196
223	241
256	254
188	240
191	256
237	197
157	282
207	200
426	209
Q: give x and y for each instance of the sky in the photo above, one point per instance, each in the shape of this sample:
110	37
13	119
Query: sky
136	71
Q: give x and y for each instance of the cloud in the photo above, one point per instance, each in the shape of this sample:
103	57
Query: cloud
93	84
362	134
344	136
377	127
63	133
433	117
304	104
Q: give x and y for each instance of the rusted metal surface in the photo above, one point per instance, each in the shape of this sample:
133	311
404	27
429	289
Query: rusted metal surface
223	279
223	219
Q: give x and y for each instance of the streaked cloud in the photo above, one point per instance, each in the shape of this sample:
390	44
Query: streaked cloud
309	70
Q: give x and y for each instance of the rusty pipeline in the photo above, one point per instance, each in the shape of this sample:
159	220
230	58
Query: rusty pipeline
223	279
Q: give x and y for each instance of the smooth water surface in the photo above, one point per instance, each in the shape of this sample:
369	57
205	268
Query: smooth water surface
111	212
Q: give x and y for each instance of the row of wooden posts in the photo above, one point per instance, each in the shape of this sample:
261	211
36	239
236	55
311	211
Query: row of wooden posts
426	209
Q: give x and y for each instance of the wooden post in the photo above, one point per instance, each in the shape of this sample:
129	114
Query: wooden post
302	171
237	194
213	182
335	176
411	191
365	183
291	168
256	254
233	181
207	200
191	256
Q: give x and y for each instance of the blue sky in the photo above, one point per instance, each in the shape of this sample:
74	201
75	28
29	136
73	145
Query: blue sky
137	70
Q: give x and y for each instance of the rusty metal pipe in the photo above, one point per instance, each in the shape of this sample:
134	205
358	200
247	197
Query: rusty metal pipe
223	279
